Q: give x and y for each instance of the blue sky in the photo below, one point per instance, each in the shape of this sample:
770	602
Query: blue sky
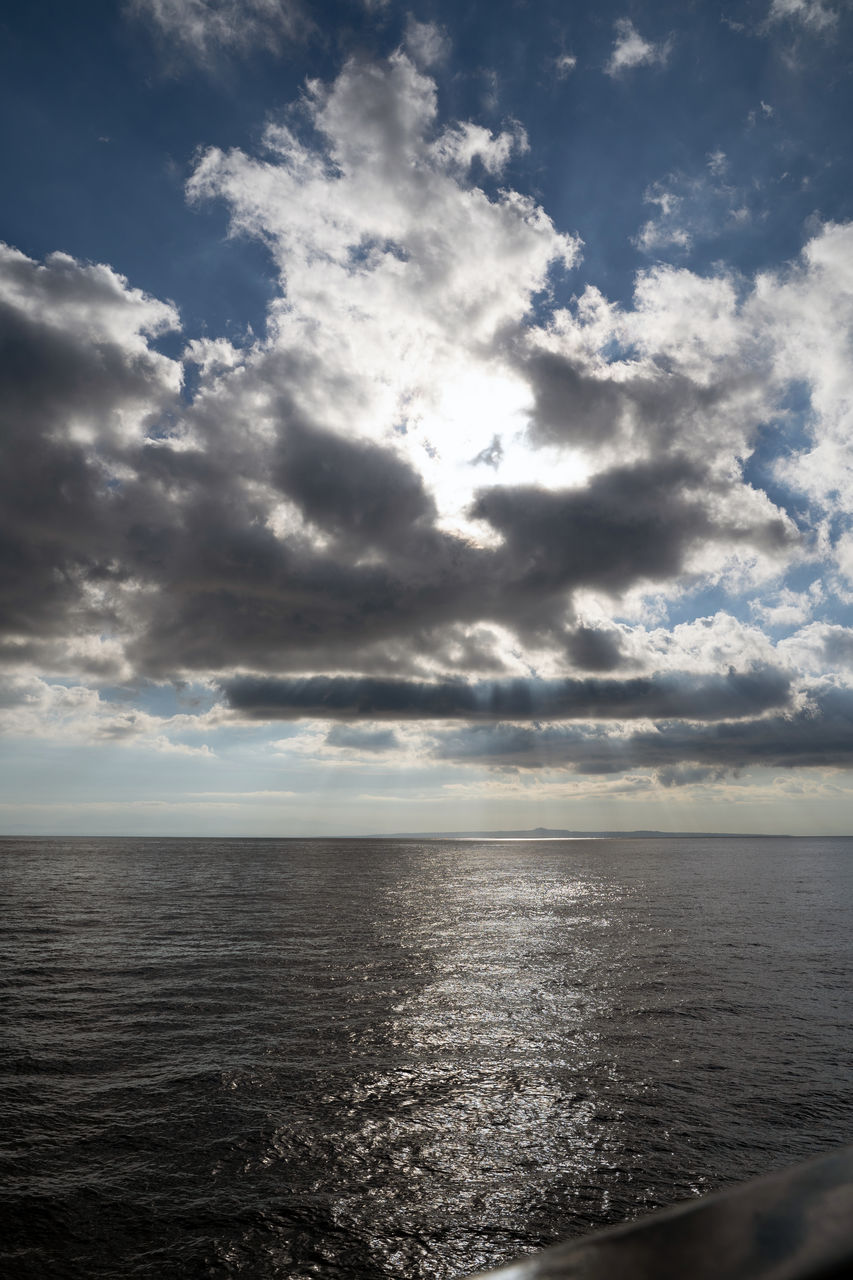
422	418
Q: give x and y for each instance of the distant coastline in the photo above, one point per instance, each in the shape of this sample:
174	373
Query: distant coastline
553	833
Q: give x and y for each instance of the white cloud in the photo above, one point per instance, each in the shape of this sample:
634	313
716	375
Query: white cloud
807	311
460	145
787	608
565	64
387	227
714	643
632	50
33	707
811	13
820	649
86	298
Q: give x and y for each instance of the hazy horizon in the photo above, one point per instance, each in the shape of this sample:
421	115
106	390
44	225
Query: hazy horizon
498	834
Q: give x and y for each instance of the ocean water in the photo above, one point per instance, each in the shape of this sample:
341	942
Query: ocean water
407	1059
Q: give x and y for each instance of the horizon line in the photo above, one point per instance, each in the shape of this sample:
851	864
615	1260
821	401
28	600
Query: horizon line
540	835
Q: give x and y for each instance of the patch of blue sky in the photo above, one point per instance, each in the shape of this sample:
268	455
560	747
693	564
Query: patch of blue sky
161	699
786	435
98	158
704	601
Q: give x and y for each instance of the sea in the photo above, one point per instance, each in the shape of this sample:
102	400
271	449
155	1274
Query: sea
403	1058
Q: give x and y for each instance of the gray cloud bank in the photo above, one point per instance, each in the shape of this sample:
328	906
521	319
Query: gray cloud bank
819	736
660	697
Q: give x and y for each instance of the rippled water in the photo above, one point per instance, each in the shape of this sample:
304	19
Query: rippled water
402	1058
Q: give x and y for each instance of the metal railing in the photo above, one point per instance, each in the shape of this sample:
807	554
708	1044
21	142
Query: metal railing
792	1225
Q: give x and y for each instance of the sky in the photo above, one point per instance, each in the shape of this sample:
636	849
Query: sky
428	417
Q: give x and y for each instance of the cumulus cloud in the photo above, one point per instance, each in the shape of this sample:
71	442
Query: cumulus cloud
632	50
809	309
788	608
80	389
33	707
819	647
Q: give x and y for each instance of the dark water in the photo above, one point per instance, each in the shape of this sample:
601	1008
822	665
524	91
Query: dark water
376	1059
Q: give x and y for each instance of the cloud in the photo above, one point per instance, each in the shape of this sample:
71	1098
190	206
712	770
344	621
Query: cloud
564	65
34	708
686	775
819	647
697	208
811	13
427	42
595	649
204	29
820	735
355	739
359	491
80	389
628	524
631	50
788	608
384	220
808	308
717	162
201	545
338	697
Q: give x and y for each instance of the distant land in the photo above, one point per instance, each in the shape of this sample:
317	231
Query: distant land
554	833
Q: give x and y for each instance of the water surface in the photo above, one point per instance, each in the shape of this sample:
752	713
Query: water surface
398	1058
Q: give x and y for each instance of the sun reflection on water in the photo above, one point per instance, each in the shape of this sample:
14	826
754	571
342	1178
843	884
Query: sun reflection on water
491	1110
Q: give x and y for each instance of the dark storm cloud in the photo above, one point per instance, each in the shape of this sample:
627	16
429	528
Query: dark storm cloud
629	523
232	592
573	405
570	404
820	735
594	649
222	589
658	697
58	545
354	489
